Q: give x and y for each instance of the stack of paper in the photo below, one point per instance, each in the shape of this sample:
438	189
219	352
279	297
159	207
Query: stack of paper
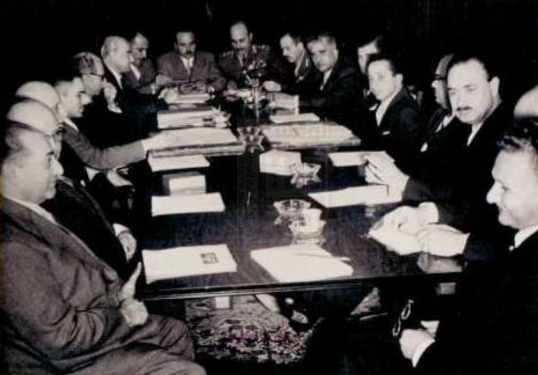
394	239
202	137
356	158
281	163
301	263
305	134
303	117
368	195
184	183
187	261
186	204
194	98
285	101
181	117
177	162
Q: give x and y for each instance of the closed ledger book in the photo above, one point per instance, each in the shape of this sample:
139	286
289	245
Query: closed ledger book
306	262
187	261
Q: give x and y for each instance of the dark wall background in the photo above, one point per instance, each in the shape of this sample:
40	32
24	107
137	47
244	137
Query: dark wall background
37	35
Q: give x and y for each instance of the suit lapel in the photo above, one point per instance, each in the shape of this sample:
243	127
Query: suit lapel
389	113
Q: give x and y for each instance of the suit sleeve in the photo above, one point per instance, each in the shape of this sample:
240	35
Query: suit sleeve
215	78
106	158
34	302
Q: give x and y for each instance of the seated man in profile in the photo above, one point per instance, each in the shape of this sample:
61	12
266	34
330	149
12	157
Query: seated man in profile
337	96
300	76
63	309
495	327
193	70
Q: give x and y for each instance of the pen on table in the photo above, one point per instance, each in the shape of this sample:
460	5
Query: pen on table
343	259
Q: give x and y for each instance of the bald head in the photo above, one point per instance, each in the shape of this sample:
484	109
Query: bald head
527	105
240	36
40	91
116	53
35	115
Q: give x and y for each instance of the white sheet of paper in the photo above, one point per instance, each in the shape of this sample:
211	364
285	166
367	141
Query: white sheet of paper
395	240
202	136
185	204
187	261
370	195
302	117
300	263
355	158
177	162
280	163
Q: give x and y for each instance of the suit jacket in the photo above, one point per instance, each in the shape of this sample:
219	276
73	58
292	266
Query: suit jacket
304	81
60	305
204	69
75	208
106	158
339	99
257	64
147	77
139	109
495	329
399	131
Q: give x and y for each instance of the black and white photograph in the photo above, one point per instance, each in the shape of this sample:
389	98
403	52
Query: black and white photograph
269	187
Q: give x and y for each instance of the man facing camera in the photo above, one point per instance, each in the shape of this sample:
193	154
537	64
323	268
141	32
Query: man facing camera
494	327
63	309
337	96
195	71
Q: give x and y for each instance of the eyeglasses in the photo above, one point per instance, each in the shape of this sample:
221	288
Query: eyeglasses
402	318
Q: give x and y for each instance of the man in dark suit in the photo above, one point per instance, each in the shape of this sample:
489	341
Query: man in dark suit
195	71
300	76
246	63
494	328
63	309
337	96
393	125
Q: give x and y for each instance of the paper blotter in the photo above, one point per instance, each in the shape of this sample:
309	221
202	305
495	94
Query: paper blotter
352	196
187	261
297	263
187	204
400	242
177	162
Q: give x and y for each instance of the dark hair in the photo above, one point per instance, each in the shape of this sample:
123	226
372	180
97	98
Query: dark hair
394	63
522	135
482	57
296	36
322	35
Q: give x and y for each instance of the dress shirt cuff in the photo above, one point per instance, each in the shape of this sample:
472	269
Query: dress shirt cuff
429	213
119	229
91	173
420	350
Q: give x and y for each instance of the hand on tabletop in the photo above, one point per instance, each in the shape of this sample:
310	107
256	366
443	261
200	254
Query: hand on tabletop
442	240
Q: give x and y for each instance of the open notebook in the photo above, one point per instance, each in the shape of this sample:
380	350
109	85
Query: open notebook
187	261
301	263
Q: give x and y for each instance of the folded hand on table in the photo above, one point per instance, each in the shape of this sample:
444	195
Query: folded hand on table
134	312
116	179
442	240
381	171
411	219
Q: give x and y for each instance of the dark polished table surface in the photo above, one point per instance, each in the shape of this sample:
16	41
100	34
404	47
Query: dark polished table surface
248	223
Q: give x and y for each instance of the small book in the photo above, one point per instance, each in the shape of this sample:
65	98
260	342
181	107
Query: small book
303	117
396	240
296	263
183	116
187	261
186	204
355	158
281	163
184	183
357	195
177	162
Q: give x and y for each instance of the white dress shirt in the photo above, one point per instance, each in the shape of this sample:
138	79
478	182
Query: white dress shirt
382	108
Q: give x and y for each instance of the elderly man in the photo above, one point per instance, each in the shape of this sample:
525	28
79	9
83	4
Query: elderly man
393	125
196	71
64	310
246	63
300	76
494	329
338	95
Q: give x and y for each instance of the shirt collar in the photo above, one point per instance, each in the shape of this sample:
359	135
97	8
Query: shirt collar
385	103
523	234
474	129
135	71
34	207
69	122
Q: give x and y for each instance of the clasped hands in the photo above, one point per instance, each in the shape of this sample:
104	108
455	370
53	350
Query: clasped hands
436	239
134	312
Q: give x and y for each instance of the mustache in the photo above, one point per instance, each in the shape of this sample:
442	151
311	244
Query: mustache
463	108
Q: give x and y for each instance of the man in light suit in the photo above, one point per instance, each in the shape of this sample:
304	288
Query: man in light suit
196	70
63	309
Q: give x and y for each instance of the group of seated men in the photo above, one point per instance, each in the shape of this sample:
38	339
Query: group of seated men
68	275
